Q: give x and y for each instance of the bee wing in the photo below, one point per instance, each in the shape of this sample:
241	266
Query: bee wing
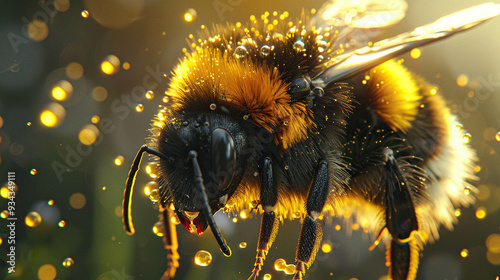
362	59
358	22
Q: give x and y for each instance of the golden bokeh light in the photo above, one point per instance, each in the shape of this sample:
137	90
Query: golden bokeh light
61	5
38	30
62	90
415	53
110	65
202	258
481	213
119	160
99	93
493	243
47	272
33	219
77	200
190	15
326	248
74	70
85	14
53	115
88	135
462	80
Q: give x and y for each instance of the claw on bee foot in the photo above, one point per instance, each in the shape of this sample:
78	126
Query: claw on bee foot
300	270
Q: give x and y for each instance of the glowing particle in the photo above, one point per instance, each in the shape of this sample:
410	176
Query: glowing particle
202	258
290	269
95	119
1	241
467	137
104	188
480	213
267	276
33	219
68	262
4	214
243	245
415	53
279	264
150	94
47	272
464	253
110	65
85	14
38	30
235	220
139	108
462	80
165	99
458	127
77	200
4	192
497	136
99	93
126	65
28	123
159	229
62	223
33	171
467	190
299	46
190	15
62	90
433	91
50	202
243	214
337	227
326	247
88	135
493	243
119	160
457	212
53	115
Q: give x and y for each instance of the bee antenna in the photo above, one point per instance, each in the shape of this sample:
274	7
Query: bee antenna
198	181
129	188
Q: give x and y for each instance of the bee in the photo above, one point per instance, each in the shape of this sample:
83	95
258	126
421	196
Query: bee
307	119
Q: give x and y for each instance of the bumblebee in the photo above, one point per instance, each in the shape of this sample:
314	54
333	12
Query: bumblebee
304	117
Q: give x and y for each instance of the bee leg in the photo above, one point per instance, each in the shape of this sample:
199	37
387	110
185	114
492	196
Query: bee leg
170	243
269	224
311	233
401	221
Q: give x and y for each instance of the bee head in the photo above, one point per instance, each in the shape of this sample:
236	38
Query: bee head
219	142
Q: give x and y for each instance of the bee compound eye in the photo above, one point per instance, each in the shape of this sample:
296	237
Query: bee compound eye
223	157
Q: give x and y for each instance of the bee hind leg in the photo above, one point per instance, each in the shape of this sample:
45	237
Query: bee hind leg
170	243
401	221
269	224
311	233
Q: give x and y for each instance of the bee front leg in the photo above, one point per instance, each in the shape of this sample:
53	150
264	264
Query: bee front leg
311	234
170	243
270	223
401	221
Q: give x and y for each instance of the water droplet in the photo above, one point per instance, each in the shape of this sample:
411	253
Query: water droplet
154	195
150	94
190	15
255	174
28	123
85	14
280	264
299	46
320	58
322	45
245	117
33	219
206	124
240	52
33	171
110	65
278	36
290	269
458	127
202	258
213	106
286	167
4	214
50	202
467	138
497	136
139	108
165	99
267	276
243	245
467	191
68	262
62	223
265	50
464	253
152	169
159	229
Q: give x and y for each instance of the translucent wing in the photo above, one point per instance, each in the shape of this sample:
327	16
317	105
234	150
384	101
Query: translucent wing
359	21
353	62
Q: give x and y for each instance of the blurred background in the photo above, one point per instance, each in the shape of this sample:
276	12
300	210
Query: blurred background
75	108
